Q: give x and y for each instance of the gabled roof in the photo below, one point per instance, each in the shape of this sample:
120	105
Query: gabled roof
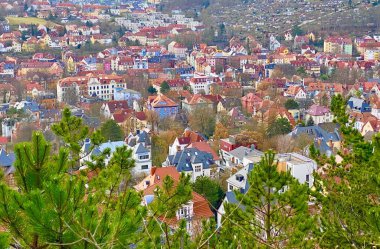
317	110
201	209
161	101
184	160
140	149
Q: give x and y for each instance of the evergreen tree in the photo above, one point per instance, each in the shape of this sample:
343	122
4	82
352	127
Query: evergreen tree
111	131
272	213
94	208
310	122
280	126
291	104
164	87
347	195
73	132
210	189
152	90
41	212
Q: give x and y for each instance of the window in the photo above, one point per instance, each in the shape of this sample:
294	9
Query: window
231	187
198	168
144	167
144	157
307	178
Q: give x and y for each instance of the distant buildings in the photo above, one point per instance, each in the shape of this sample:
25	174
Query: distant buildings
338	45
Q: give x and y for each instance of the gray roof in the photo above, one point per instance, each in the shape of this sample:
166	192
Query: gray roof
318	134
242	152
184	160
356	102
139	137
140	149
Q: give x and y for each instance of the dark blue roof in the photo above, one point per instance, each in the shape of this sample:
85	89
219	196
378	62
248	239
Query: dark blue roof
184	160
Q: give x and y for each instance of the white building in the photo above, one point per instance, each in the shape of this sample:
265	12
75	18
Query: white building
201	83
141	154
102	86
319	114
300	167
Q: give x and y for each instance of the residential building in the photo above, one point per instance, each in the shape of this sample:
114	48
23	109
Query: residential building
193	162
300	167
193	212
359	105
6	162
162	105
140	153
338	45
102	86
319	114
327	142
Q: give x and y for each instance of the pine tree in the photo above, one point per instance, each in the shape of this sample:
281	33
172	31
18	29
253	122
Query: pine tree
110	130
273	212
73	132
310	122
347	195
47	196
280	126
164	87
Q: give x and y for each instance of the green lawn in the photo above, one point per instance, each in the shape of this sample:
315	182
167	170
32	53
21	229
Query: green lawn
29	20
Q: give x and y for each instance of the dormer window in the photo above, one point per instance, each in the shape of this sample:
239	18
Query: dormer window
198	168
239	177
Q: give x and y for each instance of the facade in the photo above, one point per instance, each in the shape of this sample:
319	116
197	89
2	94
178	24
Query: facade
338	45
101	86
162	105
201	83
128	95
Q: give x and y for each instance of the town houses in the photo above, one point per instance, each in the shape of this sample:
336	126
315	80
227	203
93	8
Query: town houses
182	99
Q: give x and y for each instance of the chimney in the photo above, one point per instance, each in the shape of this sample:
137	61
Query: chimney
252	147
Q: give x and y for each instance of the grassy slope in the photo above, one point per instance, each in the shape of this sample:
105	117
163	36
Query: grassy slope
29	20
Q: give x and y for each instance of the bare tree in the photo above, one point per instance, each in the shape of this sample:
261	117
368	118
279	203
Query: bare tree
152	119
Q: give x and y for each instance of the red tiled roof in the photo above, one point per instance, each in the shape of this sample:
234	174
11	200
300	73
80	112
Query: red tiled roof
203	146
161	101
